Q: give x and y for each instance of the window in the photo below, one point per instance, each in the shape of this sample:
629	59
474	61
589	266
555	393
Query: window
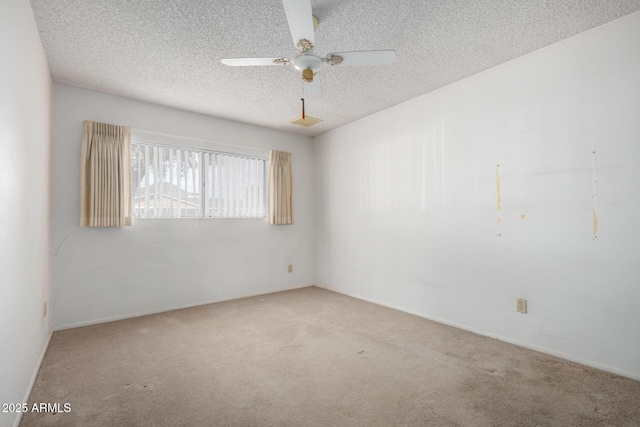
179	182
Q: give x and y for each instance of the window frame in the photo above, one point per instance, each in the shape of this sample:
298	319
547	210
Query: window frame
202	148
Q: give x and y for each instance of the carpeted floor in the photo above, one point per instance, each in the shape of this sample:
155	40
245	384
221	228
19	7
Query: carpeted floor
311	357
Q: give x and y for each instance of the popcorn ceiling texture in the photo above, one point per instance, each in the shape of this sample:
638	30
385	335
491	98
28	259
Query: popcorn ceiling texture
169	51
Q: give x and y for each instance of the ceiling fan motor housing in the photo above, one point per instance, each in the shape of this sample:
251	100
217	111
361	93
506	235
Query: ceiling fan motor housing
308	64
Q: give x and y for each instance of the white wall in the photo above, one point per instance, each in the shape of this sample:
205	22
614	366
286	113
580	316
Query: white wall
156	265
25	106
406	201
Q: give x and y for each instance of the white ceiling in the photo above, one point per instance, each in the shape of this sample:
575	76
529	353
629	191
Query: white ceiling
169	51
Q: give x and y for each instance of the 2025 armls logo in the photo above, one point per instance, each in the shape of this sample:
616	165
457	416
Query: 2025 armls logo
36	407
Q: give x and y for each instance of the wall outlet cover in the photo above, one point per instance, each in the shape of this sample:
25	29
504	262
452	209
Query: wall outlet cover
521	305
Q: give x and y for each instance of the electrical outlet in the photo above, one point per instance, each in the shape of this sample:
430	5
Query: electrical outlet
290	269
522	305
44	310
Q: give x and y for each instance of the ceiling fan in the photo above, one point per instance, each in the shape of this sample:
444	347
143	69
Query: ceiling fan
302	24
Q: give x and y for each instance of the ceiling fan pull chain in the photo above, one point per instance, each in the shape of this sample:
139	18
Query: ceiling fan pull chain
302	99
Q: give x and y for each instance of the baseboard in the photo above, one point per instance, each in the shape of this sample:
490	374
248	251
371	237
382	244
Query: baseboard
509	340
164	310
33	377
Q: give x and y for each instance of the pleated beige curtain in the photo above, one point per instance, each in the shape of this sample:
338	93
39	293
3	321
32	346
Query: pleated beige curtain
105	176
280	206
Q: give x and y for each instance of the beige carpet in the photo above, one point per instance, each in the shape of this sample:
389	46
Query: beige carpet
311	357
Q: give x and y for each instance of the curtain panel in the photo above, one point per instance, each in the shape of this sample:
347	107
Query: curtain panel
105	176
280	205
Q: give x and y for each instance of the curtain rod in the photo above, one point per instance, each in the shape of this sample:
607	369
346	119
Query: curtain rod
207	141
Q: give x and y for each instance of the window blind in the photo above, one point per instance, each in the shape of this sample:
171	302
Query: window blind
178	182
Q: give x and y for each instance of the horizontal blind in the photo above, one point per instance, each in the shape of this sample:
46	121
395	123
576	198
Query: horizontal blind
177	182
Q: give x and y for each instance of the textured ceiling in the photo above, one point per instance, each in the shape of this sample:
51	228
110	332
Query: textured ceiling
169	51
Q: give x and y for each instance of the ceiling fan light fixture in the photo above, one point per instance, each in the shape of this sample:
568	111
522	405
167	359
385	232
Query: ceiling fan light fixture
307	75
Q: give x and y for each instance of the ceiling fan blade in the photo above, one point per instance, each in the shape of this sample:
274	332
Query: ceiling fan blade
300	20
313	88
248	62
365	57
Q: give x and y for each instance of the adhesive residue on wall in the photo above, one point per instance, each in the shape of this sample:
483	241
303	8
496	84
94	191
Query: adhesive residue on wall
594	193
498	206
